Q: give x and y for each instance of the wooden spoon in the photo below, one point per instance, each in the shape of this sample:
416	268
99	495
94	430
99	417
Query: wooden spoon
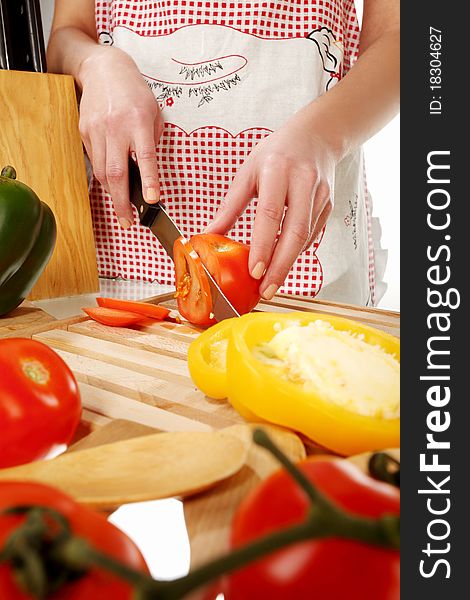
154	466
114	431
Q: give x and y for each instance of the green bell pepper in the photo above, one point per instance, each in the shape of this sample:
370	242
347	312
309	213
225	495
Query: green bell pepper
27	239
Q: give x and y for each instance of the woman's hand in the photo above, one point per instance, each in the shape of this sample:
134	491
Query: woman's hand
119	115
291	172
294	167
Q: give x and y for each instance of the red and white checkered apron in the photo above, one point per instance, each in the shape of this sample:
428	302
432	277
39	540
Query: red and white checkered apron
226	74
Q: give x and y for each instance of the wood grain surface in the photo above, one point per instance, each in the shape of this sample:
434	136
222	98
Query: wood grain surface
40	138
386	320
209	516
114	431
27	319
140	374
19	322
161	465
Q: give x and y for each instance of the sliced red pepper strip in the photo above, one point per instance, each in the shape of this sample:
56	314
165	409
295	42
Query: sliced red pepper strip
141	308
113	317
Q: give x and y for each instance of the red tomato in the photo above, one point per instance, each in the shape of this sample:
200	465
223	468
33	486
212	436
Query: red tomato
227	262
192	286
335	569
113	317
140	308
40	404
85	523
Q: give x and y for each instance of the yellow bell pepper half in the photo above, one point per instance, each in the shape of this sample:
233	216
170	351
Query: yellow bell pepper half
260	388
207	362
222	364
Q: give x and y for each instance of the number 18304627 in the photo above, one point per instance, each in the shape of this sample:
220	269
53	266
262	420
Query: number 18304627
435	70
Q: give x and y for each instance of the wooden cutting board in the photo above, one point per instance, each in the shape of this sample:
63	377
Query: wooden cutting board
141	373
28	319
40	138
23	320
386	320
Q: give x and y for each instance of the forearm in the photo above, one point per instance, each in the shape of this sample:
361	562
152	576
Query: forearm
75	53
362	102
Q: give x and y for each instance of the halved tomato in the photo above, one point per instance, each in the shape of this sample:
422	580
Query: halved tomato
113	317
192	285
227	262
141	308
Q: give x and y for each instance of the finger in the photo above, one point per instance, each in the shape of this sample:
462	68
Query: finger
240	194
321	200
88	152
322	197
148	166
322	220
88	148
295	232
117	177
157	128
97	156
83	129
272	192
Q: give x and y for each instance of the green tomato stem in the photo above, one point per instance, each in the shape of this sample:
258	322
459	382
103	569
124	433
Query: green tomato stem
382	532
9	172
80	555
261	438
384	467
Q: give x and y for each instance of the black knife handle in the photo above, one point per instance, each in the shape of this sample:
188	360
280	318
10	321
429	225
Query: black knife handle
21	36
36	36
147	212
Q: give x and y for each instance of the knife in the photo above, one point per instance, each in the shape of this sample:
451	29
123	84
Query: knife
157	219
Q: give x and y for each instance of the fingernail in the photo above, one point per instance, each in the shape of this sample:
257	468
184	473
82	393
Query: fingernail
124	223
270	291
151	195
258	270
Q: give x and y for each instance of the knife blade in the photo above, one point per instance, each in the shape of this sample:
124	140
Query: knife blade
157	219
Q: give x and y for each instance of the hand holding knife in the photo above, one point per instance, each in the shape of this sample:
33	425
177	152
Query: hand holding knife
157	219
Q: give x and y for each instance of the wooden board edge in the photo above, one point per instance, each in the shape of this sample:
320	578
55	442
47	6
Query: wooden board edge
380	312
385	320
29	332
329	303
159	298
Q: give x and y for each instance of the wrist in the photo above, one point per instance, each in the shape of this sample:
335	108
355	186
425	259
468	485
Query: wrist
325	129
101	58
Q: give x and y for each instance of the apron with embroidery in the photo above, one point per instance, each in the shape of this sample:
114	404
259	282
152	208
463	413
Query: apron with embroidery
227	74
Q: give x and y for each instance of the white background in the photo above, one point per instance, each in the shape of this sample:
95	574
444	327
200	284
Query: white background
158	528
